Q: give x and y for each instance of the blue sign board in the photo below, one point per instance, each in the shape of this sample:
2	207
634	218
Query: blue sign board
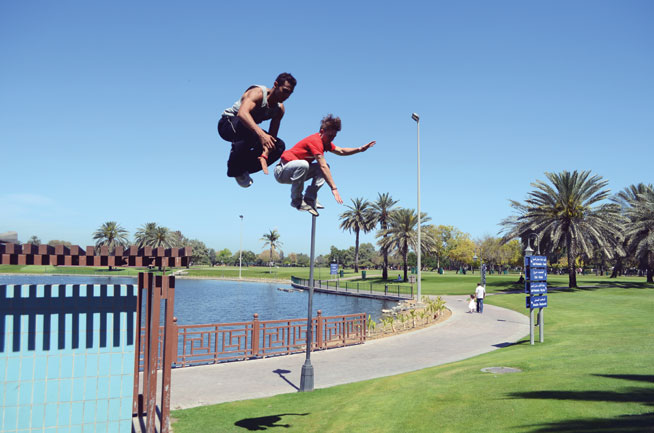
537	274
536	287
536	301
536	261
333	268
536	281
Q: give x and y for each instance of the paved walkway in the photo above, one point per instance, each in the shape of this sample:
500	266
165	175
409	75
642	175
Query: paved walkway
462	336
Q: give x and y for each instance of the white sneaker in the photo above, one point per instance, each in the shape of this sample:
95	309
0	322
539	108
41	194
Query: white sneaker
316	204
244	180
307	207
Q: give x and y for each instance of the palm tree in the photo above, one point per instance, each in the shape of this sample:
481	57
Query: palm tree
381	210
402	234
111	235
271	239
639	234
627	198
359	218
144	234
566	214
162	237
152	235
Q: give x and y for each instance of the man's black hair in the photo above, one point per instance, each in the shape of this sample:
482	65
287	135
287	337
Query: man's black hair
284	77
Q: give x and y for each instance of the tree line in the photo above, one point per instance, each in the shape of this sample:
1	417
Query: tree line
571	218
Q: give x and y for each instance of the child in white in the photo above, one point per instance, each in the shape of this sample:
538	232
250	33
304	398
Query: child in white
472	305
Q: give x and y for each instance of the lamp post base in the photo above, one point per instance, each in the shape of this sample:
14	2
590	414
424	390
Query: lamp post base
306	380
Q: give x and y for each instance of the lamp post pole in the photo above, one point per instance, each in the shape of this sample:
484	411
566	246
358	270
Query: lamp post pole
474	259
415	117
306	378
240	250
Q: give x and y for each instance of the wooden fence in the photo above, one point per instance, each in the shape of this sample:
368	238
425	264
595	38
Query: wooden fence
213	343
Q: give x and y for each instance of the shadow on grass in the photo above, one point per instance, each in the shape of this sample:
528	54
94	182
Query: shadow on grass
626	284
623	423
102	271
264	422
584	286
620	424
649	378
630	395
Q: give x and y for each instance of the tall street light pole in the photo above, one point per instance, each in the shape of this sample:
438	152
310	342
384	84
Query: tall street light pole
306	377
240	251
415	117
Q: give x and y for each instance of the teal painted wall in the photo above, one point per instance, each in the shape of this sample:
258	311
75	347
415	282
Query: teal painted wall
67	358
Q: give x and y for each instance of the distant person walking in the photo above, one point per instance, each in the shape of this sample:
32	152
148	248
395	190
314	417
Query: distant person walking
472	304
480	294
253	149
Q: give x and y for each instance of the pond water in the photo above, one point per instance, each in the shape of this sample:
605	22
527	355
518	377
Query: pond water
219	301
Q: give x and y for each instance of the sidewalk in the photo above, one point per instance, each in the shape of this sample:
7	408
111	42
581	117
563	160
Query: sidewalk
462	336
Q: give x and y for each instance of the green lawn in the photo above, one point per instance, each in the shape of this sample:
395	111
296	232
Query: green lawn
69	270
594	373
250	272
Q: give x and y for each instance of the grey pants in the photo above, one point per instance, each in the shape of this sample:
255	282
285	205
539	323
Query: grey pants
296	173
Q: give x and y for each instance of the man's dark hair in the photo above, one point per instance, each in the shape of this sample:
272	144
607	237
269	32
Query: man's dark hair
330	122
285	76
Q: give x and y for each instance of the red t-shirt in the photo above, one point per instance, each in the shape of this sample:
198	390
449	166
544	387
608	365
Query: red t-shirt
306	148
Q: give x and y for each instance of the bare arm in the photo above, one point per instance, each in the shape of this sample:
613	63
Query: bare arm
249	101
328	177
275	121
345	151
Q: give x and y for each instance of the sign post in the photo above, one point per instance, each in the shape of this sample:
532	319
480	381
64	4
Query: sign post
536	291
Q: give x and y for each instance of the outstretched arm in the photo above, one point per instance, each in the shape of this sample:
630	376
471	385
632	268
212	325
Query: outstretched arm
345	151
249	101
328	177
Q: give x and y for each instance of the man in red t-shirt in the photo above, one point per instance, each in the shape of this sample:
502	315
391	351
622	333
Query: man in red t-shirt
306	160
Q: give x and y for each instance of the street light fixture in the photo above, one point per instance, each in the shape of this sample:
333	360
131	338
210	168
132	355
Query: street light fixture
530	251
240	250
415	117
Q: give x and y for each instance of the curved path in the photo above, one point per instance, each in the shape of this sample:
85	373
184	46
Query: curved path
462	336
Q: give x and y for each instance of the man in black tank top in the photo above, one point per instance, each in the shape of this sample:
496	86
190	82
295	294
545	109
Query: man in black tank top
253	149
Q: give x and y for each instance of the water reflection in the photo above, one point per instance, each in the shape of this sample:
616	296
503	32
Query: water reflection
218	301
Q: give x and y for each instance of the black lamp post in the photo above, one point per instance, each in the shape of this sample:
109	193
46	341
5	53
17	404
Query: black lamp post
482	268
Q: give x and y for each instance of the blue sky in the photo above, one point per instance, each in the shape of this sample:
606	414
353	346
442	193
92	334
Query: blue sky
108	110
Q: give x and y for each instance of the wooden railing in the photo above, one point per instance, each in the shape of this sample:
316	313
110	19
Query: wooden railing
388	291
213	343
